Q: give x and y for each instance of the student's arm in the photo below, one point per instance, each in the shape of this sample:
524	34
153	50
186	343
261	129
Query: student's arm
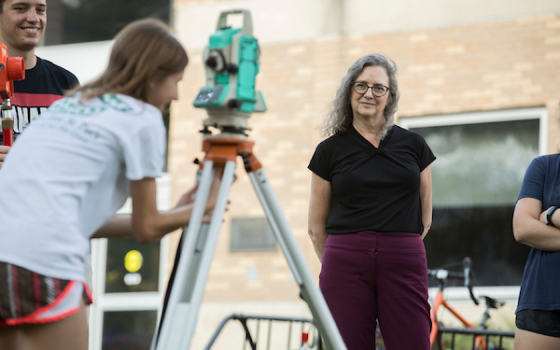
426	199
146	223
3	152
319	207
529	225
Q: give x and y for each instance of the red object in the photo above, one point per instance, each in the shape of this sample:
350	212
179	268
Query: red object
304	338
11	68
8	131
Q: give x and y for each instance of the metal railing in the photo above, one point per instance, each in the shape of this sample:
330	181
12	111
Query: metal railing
255	337
494	338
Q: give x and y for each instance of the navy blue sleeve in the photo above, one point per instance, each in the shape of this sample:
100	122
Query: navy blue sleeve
319	163
533	182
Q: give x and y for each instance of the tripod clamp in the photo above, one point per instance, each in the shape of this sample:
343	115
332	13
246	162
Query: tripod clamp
221	150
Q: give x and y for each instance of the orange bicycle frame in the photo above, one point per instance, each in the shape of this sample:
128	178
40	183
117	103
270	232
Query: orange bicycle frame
435	334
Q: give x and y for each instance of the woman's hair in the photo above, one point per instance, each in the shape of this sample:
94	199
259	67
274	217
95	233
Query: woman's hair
145	51
340	116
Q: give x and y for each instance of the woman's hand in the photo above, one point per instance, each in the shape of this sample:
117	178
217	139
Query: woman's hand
214	190
188	197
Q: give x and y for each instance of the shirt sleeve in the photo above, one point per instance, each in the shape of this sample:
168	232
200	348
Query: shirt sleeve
144	151
533	182
319	163
425	156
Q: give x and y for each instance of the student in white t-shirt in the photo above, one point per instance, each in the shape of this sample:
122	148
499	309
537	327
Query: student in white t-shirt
69	173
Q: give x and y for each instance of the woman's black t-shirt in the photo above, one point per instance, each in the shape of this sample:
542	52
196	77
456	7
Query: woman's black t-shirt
373	189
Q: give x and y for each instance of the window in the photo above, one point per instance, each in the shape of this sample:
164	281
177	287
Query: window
132	330
131	266
251	235
481	161
79	21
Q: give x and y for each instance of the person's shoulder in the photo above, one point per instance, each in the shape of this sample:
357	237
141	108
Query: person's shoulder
57	70
133	107
548	160
402	132
335	139
401	135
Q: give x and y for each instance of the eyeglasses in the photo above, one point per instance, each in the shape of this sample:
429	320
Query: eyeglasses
377	89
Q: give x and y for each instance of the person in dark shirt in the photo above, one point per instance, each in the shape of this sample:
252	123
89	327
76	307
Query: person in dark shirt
22	25
370	208
536	223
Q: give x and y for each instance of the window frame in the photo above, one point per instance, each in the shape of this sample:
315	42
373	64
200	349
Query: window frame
509	293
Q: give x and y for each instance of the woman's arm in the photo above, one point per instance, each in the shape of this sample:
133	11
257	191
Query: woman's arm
319	206
529	225
426	198
146	223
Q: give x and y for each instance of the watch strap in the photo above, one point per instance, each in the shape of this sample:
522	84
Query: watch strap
549	213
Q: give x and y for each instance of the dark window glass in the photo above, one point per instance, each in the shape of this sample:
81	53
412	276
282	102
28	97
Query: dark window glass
78	21
128	330
131	266
251	235
476	181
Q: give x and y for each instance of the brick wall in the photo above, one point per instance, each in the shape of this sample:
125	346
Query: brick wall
469	68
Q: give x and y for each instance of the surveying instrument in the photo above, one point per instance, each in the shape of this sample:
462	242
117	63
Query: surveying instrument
229	97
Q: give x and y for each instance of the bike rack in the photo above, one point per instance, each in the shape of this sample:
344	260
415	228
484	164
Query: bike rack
249	322
488	334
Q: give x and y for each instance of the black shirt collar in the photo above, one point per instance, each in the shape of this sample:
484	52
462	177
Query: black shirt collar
362	140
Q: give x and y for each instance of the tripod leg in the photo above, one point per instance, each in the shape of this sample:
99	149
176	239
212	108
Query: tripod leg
309	290
199	241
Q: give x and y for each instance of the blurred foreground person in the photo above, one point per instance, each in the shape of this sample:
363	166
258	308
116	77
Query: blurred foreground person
69	173
536	223
370	208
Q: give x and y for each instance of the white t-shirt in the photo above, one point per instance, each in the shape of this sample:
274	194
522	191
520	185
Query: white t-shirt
68	173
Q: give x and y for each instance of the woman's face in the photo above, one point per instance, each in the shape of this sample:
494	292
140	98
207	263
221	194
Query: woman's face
367	105
162	93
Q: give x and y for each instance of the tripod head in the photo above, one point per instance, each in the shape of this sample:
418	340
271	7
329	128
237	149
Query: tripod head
231	61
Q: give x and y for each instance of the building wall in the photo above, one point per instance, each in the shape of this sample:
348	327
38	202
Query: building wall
465	58
294	20
477	67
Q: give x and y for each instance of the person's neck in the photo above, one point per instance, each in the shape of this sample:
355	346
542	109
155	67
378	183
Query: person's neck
29	58
369	128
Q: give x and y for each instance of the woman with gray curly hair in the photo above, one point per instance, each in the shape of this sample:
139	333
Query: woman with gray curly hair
370	208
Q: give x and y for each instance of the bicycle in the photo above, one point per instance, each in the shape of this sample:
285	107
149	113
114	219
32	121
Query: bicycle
481	333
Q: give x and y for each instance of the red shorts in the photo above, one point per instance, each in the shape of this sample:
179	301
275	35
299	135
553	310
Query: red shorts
27	297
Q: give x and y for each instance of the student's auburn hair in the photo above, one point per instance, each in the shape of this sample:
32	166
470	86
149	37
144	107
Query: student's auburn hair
144	52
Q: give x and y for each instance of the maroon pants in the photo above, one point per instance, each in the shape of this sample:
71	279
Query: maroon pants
370	276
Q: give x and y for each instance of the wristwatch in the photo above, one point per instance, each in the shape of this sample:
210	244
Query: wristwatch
548	216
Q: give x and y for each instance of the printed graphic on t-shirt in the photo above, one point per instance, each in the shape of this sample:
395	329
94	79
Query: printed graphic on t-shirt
27	107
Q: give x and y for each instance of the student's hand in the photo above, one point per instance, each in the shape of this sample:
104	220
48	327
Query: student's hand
188	197
3	152
214	190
